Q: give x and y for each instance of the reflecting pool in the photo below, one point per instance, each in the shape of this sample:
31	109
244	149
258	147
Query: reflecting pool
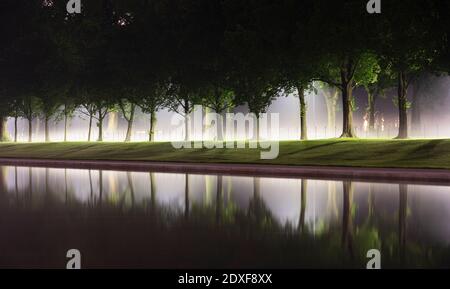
166	220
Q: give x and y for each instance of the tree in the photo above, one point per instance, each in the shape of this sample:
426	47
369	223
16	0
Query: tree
288	33
9	36
48	107
215	89
103	107
182	101
29	109
219	100
88	109
258	94
340	49
303	126
375	90
253	75
150	99
53	85
4	111
94	60
218	53
374	83
128	110
39	73
15	113
19	66
407	47
350	75
3	129
6	107
143	46
66	113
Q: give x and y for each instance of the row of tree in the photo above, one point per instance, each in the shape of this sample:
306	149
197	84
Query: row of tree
219	53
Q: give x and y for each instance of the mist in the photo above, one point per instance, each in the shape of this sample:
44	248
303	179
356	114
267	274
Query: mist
427	118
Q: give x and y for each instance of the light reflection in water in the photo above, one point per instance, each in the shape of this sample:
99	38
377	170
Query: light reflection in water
222	221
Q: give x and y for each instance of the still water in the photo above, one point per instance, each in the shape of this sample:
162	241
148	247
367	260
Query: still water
166	220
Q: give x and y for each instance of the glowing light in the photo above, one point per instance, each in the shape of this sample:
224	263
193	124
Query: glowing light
386	123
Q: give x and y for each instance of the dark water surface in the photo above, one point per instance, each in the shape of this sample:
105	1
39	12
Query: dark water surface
164	220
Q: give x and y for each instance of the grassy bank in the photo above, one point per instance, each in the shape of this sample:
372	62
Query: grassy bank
433	153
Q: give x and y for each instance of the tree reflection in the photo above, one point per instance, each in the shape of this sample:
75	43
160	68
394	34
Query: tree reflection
16	185
91	188
347	222
186	197
30	185
152	191
100	187
3	189
131	189
219	200
402	215
301	223
246	217
370	202
258	213
332	207
66	190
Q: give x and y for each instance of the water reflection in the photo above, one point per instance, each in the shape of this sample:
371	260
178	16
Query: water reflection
162	220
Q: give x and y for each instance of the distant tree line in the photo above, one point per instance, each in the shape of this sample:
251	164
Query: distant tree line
152	54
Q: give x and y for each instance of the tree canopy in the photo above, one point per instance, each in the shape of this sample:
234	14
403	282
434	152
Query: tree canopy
219	53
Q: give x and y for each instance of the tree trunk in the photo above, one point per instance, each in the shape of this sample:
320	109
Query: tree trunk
219	200
347	129
47	181
90	127
219	126
15	129
301	97
100	186
301	224
347	97
257	127
3	129
3	186
66	188
186	121
47	132
130	123
371	202
30	184
100	129
153	191
402	215
30	130
224	122
257	188
130	185
65	127
347	224
402	106
371	110
16	184
151	135
91	187
186	197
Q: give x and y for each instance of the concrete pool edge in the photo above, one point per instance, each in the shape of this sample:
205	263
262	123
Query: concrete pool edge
399	175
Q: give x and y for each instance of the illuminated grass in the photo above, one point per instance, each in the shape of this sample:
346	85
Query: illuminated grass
430	153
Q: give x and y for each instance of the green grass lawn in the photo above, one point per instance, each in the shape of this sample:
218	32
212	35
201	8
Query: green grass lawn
430	153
